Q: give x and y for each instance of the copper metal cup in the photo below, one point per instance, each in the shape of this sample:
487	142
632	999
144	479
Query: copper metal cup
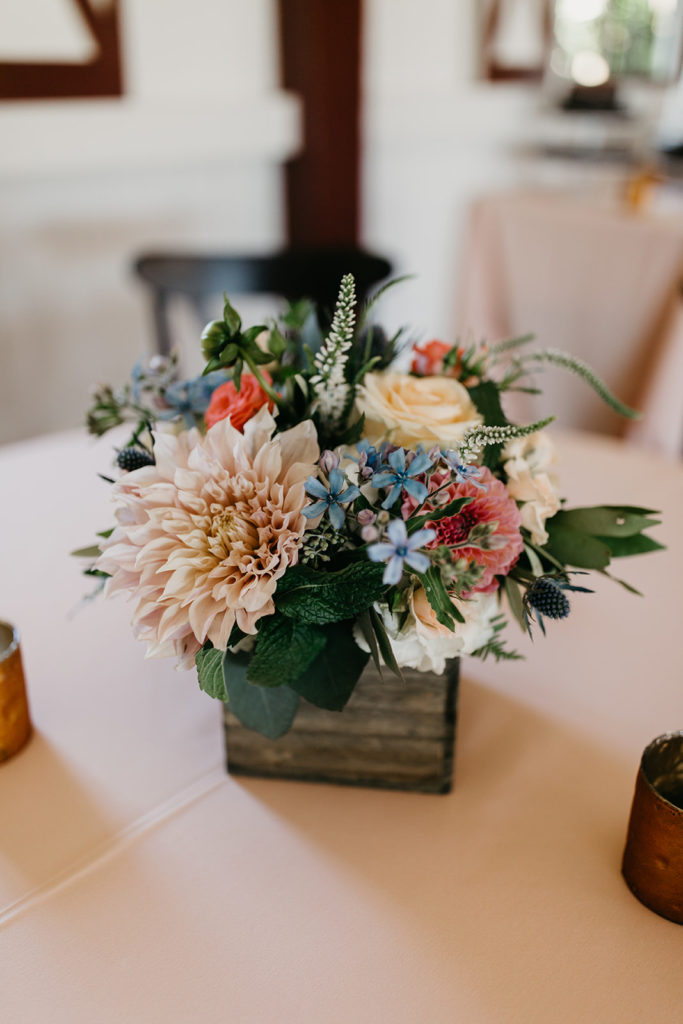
15	724
653	858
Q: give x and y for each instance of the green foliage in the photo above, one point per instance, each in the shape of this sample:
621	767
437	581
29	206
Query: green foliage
571	547
312	596
589	537
284	649
450	509
486	397
330	679
384	643
581	369
512	592
268	710
495	646
209	664
483	436
437	595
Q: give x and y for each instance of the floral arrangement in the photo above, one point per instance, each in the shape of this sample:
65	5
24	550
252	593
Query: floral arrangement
306	505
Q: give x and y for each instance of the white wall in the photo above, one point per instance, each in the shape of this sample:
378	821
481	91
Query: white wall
189	158
437	137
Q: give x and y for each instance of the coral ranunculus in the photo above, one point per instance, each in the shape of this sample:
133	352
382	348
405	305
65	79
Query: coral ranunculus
204	535
428	357
240	405
493	505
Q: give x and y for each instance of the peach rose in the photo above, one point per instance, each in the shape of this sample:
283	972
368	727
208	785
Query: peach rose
416	410
240	405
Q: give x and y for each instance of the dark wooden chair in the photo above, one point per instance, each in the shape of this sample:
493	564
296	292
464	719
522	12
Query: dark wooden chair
292	274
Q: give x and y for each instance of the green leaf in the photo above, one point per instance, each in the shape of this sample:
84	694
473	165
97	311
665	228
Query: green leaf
284	649
573	548
353	433
486	397
277	343
606	520
105	533
623	547
384	643
320	597
237	374
91	552
328	682
209	664
515	601
534	560
231	317
438	597
269	711
214	338
622	583
364	622
451	509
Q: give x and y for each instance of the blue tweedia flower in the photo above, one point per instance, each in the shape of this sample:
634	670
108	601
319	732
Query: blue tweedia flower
400	477
191	398
369	459
330	499
463	474
400	548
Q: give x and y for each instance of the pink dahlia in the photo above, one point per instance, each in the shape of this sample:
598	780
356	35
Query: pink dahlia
204	535
493	505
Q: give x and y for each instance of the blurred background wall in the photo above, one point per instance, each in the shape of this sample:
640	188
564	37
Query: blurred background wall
191	156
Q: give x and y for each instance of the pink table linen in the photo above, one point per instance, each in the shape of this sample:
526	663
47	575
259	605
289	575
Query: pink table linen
138	882
594	280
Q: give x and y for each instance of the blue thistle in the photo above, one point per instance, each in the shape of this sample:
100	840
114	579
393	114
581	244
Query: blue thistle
546	597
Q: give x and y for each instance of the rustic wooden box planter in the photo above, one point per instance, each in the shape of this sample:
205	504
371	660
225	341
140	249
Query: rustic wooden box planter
391	735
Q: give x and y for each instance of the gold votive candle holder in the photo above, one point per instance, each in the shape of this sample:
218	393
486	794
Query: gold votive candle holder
15	723
653	858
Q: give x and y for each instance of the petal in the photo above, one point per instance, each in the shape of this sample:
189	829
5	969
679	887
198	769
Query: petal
419	539
316	488
316	509
336	515
397	460
380	552
417	561
420	463
350	494
415	489
397	533
383	479
393	571
336	481
391	497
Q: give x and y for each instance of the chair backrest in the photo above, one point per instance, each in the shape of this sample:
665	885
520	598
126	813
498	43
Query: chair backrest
292	274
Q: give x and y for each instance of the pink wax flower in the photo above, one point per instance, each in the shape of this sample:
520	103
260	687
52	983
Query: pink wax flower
491	505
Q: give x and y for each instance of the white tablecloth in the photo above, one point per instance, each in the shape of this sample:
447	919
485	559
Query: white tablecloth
138	882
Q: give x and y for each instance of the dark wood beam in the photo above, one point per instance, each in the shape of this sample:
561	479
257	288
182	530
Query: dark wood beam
321	51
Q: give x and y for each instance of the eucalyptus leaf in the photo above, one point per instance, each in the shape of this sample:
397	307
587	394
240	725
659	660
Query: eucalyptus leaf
267	710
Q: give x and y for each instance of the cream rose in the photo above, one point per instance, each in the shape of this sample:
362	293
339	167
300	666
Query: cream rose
415	410
528	461
424	644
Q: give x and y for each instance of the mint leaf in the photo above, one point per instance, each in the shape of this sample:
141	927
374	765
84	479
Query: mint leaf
284	649
268	711
322	597
329	681
209	664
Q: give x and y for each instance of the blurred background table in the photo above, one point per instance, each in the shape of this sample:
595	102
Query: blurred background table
139	882
598	280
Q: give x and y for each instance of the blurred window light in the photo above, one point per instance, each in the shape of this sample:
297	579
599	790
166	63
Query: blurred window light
662	7
45	30
581	10
589	68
